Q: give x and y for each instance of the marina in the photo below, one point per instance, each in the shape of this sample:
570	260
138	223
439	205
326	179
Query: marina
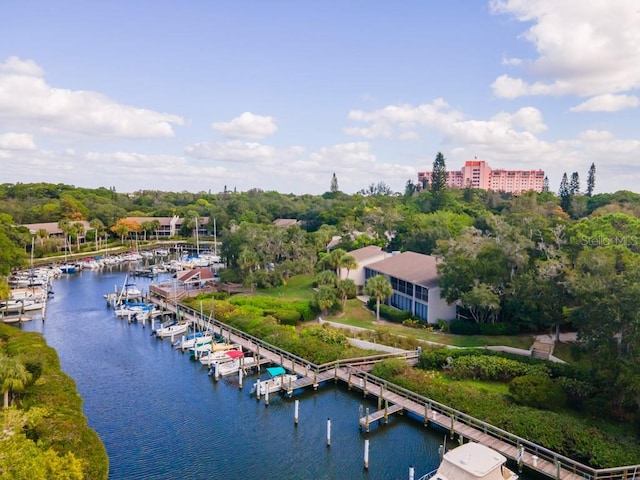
161	416
374	402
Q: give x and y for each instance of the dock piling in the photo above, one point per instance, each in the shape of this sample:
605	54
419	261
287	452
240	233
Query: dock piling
411	472
328	432
366	454
295	412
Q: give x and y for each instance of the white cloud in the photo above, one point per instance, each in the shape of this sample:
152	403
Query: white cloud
15	66
237	151
247	125
385	122
402	122
586	50
17	141
28	103
607	103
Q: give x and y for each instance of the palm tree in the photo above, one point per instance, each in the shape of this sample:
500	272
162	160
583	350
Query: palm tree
77	231
13	376
325	297
326	277
345	288
380	288
348	262
42	235
99	230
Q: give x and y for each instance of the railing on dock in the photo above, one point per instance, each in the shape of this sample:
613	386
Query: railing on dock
536	457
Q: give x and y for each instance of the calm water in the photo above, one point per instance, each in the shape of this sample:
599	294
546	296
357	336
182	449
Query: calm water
161	416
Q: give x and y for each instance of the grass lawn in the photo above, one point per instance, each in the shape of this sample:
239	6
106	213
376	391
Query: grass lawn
299	287
357	315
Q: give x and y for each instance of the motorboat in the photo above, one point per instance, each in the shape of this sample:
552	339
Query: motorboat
200	350
472	461
210	357
232	363
278	380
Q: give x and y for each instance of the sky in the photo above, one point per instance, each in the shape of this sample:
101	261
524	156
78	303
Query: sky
203	95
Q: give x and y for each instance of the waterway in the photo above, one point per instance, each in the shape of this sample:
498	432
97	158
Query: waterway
161	416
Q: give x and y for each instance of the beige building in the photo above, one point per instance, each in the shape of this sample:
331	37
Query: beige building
413	277
364	256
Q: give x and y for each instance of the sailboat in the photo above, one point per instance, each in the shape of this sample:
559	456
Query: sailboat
67	267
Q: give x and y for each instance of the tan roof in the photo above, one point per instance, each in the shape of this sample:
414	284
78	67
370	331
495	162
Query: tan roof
52	227
365	253
162	220
410	266
284	222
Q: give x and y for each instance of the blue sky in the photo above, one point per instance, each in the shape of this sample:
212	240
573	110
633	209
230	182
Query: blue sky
196	95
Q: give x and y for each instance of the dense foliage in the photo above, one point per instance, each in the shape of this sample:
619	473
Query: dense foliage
536	262
44	432
255	315
587	440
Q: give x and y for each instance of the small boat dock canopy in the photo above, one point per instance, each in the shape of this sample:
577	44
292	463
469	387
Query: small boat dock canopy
275	371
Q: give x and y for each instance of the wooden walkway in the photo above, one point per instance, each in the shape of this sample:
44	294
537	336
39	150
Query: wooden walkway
354	373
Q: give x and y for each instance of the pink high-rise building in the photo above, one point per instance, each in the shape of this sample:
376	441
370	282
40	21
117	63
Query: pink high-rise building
478	174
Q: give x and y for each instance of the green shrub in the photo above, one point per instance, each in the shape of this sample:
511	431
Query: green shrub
393	314
538	391
500	328
493	368
287	317
460	326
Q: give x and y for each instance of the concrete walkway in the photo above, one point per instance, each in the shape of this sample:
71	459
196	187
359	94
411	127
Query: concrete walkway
547	338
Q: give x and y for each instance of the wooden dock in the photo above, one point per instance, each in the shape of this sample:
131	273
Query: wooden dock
355	373
368	419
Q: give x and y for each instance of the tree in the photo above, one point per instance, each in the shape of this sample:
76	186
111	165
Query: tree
98	229
13	376
564	194
380	288
124	226
574	184
438	175
77	229
325	297
346	288
326	278
591	180
334	183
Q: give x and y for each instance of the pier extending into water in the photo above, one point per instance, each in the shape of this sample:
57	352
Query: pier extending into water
393	399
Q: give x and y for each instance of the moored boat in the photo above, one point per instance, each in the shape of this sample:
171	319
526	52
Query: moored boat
278	380
472	461
234	361
172	330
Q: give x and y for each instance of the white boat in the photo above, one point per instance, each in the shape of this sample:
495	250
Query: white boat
173	330
235	360
472	461
210	357
25	305
193	340
200	350
278	380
